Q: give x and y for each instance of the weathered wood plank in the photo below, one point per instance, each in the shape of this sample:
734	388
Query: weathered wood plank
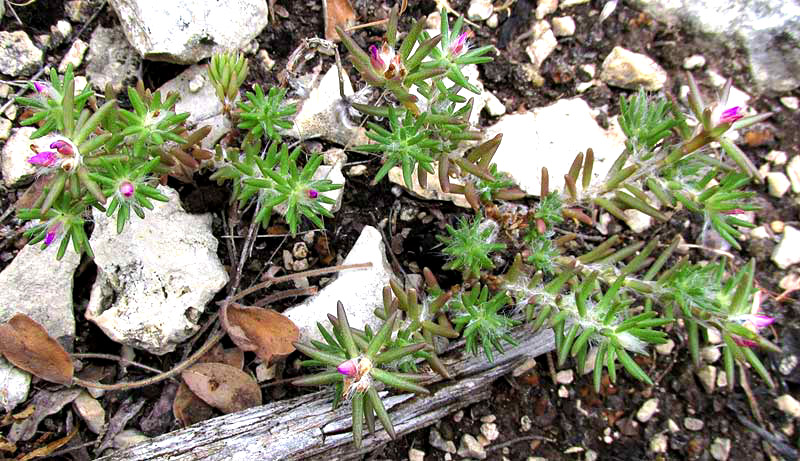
305	427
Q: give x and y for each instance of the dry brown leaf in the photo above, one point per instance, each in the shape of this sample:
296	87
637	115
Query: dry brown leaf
50	447
33	191
222	386
337	13
189	408
264	331
232	356
27	345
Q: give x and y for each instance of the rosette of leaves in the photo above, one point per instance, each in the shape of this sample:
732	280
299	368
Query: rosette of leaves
152	122
279	182
477	317
470	245
64	219
51	103
423	320
395	70
227	71
264	115
406	143
128	185
453	52
355	366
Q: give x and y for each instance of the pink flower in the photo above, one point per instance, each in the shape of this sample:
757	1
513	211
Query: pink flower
753	321
44	158
460	45
52	233
126	189
731	115
63	147
386	61
312	193
348	368
41	87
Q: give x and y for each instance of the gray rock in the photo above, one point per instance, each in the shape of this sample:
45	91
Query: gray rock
543	44
18	55
323	114
708	377
186	31
471	448
59	32
710	354
626	69
111	59
793	172
155	278
787	252
359	290
769	31
545	137
14	385
416	455
545	7
790	102
34	274
489	430
202	104
81	10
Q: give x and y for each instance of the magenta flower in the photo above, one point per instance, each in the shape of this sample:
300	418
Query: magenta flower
44	158
384	60
52	233
461	44
41	87
731	115
348	368
753	321
63	147
312	193
126	189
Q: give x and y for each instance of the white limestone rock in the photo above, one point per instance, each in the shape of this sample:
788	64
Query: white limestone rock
433	191
14	385
202	104
626	69
111	59
564	26
39	286
787	253
186	31
543	44
323	114
155	278
359	290
74	55
19	57
778	184
546	137
480	10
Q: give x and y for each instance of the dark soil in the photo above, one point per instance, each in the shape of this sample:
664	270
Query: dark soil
604	422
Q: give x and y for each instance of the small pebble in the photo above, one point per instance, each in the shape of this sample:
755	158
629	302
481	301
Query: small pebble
673	426
525	367
265	60
265	372
793	172
300	265
572	450
488	419
693	424
494	106
713	336
357	170
790	102
564	377
196	83
710	354
647	410
720	449
777	226
493	21
722	380
525	423
546	7
778	184
759	232
694	62
5	129
471	448
564	26
589	69
708	377
591	455
483	440
11	112
666	348
458	416
480	10
659	443
789	405
777	157
74	56
436	440
300	250
416	455
5	90
582	87
563	392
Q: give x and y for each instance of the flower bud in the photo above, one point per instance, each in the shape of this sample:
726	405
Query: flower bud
126	189
313	193
63	147
348	368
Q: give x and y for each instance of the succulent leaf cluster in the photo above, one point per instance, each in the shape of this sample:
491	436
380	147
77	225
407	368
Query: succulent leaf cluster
265	114
355	363
470	245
